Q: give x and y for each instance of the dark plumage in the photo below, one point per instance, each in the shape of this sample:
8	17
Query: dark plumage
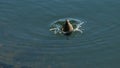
67	28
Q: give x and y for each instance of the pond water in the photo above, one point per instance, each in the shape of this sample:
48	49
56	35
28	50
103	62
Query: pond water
26	42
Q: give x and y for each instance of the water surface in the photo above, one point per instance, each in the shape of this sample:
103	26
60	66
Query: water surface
26	42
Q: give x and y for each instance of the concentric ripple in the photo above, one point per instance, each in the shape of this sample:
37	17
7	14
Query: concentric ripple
26	42
56	26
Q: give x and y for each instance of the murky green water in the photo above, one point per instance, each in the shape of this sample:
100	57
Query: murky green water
26	42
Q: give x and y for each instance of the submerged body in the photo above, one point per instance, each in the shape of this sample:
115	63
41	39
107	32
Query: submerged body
67	28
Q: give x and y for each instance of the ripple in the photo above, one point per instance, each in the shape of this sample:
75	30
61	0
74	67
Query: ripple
26	41
56	26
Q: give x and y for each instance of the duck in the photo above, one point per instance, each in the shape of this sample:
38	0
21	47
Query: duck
67	28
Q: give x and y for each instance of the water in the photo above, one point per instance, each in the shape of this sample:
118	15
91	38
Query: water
56	26
26	42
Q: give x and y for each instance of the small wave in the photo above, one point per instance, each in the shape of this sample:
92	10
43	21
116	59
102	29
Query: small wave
56	26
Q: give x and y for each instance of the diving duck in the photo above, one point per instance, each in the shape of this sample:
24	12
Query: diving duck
67	28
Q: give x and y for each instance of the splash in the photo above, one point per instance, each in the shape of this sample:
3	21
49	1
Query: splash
56	26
